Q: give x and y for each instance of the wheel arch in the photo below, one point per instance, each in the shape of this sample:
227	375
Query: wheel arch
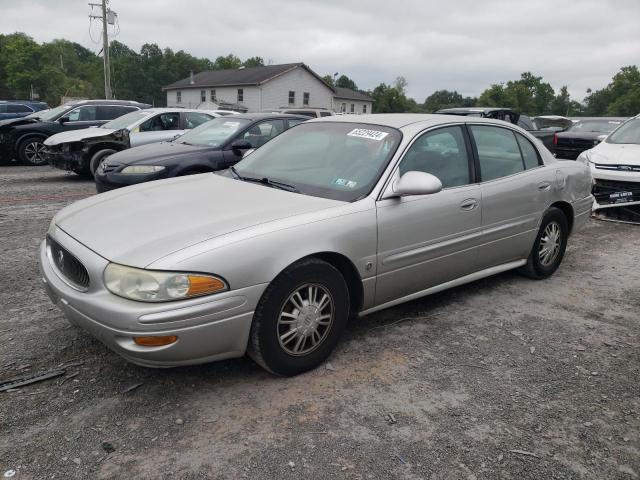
24	136
567	209
95	148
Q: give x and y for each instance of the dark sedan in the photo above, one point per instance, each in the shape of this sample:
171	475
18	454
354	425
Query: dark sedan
584	134
24	137
214	145
20	108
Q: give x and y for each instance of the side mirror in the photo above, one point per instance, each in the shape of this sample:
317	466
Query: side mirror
415	183
62	120
239	145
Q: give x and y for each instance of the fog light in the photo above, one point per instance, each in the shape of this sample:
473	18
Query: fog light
155	341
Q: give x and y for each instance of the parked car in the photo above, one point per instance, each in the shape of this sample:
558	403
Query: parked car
335	217
215	145
82	151
24	137
615	166
19	108
307	112
583	135
545	135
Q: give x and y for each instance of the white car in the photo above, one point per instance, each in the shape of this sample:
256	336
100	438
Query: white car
615	167
82	151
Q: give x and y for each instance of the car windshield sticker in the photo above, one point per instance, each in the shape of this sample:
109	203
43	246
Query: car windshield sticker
365	133
343	182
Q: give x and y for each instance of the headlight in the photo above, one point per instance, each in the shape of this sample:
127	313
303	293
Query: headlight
142	169
158	286
584	158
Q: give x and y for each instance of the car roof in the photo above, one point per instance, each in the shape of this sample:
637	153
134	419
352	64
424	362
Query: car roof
261	115
107	102
400	120
465	110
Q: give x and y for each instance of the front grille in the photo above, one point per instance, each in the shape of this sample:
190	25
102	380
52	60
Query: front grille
67	265
608	192
575	143
621	168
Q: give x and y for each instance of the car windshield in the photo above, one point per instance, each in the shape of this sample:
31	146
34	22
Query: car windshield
126	120
54	113
336	160
215	132
628	132
599	126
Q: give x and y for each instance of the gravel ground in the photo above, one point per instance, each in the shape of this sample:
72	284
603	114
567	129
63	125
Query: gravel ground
503	378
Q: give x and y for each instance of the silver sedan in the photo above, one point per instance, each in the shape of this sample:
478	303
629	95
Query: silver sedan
336	217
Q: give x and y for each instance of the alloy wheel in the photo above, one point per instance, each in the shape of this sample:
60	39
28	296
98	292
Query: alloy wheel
305	319
550	243
34	152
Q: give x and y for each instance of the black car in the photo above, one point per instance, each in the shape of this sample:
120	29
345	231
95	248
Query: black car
586	133
24	137
214	145
20	108
507	115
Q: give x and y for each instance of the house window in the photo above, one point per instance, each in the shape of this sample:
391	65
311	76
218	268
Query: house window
203	96
343	108
353	108
213	94
305	98
364	108
240	95
292	97
179	96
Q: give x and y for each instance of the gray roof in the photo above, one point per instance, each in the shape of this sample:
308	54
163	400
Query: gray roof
349	94
399	120
239	76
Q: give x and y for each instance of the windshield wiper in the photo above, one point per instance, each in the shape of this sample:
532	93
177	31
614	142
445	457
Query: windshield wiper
266	181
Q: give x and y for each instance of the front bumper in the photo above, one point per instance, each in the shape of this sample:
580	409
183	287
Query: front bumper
615	188
6	147
208	328
70	160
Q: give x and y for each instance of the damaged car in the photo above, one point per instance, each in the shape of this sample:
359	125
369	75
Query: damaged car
584	134
333	218
615	167
82	151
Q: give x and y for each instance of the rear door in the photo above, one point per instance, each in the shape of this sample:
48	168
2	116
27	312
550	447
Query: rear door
516	188
157	128
426	240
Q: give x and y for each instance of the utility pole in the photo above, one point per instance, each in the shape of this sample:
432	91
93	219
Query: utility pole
107	16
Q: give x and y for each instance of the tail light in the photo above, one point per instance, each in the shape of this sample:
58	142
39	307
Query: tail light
555	139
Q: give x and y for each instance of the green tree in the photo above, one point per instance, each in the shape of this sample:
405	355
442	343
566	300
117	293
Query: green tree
224	63
446	99
345	82
620	98
392	99
253	62
328	79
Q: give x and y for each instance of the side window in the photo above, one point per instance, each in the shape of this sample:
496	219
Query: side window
294	121
442	153
193	119
86	113
529	153
109	112
498	152
15	108
164	121
262	132
325	114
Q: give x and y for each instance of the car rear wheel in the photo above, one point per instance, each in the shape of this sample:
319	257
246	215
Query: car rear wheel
99	157
549	247
31	151
299	318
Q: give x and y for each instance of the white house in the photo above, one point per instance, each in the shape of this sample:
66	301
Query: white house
255	89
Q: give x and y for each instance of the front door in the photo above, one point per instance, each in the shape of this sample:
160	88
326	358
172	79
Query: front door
427	240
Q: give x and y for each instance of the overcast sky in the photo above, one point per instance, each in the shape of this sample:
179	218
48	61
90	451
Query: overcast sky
462	45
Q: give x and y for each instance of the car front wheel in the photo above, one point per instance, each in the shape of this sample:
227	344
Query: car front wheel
549	247
299	318
99	157
31	151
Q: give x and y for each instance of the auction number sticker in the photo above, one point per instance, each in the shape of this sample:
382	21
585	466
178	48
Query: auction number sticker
366	133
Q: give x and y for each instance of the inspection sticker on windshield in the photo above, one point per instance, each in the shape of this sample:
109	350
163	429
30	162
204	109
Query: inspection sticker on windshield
366	133
343	182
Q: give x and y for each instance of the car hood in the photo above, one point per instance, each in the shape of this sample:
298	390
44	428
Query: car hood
137	225
154	153
615	154
14	122
77	135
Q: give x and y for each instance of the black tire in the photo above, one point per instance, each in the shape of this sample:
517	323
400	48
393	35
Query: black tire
538	267
99	157
30	151
265	340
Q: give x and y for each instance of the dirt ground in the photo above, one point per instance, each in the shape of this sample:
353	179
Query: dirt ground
505	378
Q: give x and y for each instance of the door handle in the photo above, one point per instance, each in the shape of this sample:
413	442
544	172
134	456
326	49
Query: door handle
469	204
544	186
